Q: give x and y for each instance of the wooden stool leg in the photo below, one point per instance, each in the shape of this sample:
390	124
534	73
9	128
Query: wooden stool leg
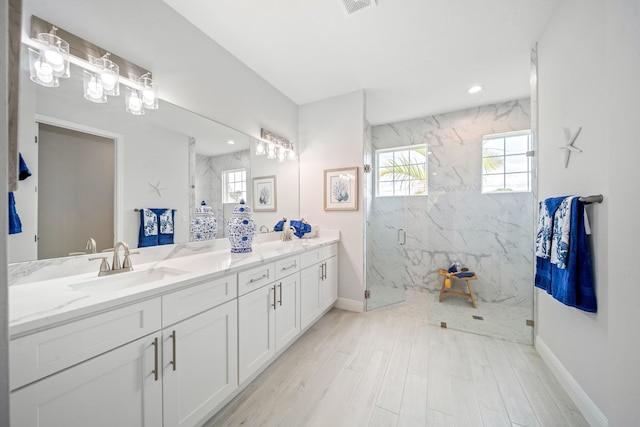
473	300
442	290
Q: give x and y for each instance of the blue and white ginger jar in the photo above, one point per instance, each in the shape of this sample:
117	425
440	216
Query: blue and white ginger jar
241	228
204	226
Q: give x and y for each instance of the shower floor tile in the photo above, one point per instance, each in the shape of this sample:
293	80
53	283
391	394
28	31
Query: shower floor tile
498	320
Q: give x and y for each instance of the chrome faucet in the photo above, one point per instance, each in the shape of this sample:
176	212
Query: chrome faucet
91	246
116	267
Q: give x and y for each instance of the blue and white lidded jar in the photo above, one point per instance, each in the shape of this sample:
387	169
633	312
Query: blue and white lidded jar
204	226
241	228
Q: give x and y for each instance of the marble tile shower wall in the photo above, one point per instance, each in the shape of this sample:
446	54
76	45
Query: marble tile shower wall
492	234
208	180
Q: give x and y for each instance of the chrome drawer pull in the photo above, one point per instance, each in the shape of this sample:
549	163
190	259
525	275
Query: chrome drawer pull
155	358
173	341
264	276
294	265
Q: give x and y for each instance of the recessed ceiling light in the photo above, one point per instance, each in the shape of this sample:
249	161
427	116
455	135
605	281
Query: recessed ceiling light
231	142
475	89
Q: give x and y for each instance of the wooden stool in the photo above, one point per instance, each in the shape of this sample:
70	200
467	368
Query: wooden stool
446	275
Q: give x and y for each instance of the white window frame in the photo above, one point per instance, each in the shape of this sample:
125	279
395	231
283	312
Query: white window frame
395	149
226	197
505	136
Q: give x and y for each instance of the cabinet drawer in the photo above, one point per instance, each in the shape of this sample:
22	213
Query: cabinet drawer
255	278
180	305
35	356
310	257
316	255
287	266
329	251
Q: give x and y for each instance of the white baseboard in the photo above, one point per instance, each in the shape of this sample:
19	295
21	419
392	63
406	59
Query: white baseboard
589	409
350	305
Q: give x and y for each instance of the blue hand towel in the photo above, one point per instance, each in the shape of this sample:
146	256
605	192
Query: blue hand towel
280	225
301	227
166	226
15	225
148	234
23	170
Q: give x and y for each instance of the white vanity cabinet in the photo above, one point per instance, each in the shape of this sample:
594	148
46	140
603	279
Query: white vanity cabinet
268	318
121	388
199	364
199	352
319	282
171	358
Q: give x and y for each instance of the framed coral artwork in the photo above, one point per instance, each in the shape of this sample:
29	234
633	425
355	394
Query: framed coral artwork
264	194
341	189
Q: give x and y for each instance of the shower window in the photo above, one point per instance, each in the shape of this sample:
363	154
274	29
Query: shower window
234	185
505	164
401	171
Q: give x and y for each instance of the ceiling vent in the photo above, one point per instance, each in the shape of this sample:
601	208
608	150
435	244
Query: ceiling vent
355	5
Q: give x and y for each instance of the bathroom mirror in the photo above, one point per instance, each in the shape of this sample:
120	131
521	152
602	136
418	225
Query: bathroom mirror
168	158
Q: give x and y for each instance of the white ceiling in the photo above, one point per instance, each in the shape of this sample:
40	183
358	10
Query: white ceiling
413	57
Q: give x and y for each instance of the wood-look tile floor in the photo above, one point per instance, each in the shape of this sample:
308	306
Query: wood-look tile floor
383	368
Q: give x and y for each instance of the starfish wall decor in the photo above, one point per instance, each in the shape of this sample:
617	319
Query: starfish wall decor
571	139
156	188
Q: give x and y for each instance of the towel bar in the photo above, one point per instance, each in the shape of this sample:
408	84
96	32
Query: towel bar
138	210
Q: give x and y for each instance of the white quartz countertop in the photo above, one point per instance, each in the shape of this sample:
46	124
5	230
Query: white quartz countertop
46	303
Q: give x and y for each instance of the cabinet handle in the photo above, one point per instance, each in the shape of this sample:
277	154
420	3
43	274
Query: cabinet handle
401	231
294	265
264	276
173	341
321	271
280	286
274	297
324	271
155	358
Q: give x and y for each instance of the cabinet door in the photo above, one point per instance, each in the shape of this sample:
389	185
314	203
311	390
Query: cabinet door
256	334
329	283
310	295
118	388
287	310
199	364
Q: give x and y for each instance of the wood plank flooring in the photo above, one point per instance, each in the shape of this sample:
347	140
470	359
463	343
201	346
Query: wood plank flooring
382	368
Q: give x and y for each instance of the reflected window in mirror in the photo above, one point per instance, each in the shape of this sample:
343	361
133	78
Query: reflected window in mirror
234	185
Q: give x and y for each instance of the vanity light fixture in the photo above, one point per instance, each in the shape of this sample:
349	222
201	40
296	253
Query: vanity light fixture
274	146
49	61
103	80
50	54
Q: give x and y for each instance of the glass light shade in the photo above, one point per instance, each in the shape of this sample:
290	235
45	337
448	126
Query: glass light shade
260	149
40	71
149	93
282	153
133	102
93	89
291	153
55	52
109	75
271	151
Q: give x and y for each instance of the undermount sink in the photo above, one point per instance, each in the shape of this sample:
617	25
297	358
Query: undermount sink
129	279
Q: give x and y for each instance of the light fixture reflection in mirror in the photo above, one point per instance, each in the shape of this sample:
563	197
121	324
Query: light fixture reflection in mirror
134	102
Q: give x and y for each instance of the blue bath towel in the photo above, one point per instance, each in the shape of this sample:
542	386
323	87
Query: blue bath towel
15	225
148	234
165	237
156	227
23	170
573	285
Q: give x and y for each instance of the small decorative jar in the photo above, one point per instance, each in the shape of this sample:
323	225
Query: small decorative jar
241	228
204	226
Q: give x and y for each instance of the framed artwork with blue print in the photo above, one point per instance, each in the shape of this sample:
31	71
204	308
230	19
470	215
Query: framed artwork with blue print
264	194
341	189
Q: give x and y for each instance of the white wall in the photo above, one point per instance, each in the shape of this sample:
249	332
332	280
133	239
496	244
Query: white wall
331	135
622	85
588	76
